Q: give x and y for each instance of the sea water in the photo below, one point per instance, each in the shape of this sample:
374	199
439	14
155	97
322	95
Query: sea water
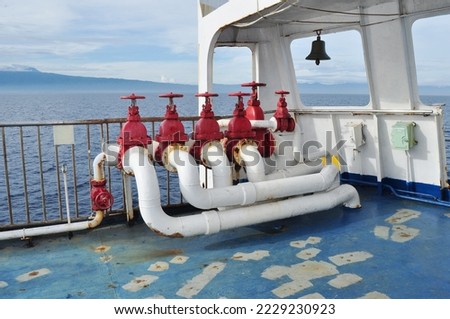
57	106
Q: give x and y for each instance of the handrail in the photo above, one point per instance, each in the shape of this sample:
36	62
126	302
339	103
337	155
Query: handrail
30	179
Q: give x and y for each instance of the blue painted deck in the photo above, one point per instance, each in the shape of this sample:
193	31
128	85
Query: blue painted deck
390	248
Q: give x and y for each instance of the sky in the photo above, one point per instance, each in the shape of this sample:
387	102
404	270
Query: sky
156	40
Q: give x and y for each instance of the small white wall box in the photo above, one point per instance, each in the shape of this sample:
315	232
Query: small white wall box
356	134
402	135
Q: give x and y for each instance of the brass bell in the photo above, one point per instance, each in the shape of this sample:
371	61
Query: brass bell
318	50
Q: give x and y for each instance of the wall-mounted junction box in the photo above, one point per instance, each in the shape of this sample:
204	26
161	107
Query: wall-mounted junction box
356	135
402	135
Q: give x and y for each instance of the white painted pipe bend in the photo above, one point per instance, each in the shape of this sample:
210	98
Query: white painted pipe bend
243	193
213	221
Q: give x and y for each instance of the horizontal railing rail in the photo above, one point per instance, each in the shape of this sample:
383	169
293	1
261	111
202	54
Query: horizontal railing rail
33	184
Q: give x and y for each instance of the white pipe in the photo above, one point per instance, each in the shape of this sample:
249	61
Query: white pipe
210	222
296	170
269	124
254	163
215	157
99	160
243	193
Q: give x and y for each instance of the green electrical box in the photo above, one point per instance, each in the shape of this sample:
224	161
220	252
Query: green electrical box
402	135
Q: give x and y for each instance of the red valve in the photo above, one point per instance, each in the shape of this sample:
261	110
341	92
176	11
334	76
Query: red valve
206	129
239	127
171	129
264	138
284	120
101	199
133	132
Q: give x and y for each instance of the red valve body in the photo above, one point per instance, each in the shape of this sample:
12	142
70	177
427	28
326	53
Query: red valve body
239	127
285	122
171	130
134	132
263	137
101	199
206	129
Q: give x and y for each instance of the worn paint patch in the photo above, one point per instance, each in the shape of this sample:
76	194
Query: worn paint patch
196	284
402	215
313	240
315	295
304	271
302	243
382	232
3	284
291	288
308	253
106	259
374	295
179	259
447	215
275	272
159	266
139	283
102	248
349	258
301	275
310	269
344	280
402	233
256	255
33	274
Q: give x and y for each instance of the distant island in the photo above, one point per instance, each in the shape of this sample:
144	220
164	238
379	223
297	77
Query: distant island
25	78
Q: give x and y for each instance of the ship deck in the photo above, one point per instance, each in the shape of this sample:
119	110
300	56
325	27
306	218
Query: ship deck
389	248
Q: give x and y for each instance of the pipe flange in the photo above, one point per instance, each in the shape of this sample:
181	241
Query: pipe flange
204	151
167	151
237	149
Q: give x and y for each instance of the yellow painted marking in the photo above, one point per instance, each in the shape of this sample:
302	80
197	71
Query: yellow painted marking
33	274
139	282
179	259
290	288
159	266
308	253
334	161
256	255
351	257
344	280
196	284
403	215
374	295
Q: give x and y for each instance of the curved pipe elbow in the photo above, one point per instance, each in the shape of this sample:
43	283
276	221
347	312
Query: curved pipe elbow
210	222
254	163
330	174
99	214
